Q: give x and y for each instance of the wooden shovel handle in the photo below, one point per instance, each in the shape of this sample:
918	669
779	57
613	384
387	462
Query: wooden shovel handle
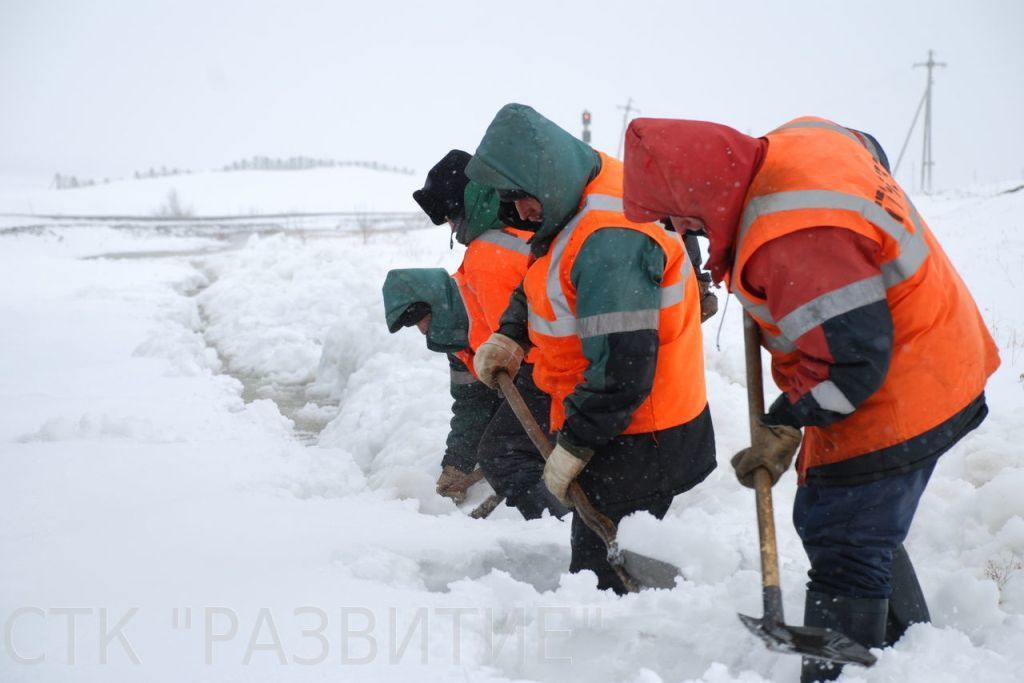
762	479
515	401
598	522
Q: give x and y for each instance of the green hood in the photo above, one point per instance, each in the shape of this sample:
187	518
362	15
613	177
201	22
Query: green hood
480	212
449	323
522	150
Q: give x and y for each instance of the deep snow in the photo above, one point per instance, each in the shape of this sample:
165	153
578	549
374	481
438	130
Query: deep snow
143	481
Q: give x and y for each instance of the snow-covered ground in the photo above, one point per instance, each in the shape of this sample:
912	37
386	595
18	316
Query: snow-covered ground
218	465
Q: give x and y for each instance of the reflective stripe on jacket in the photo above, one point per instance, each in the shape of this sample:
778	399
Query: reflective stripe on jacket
678	393
818	174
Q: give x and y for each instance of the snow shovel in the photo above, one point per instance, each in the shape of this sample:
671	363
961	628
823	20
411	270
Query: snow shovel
819	643
636	571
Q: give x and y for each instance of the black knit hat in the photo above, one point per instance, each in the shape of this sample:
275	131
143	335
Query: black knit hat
441	196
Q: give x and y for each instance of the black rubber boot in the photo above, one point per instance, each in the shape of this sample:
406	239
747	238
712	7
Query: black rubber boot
862	619
535	500
906	604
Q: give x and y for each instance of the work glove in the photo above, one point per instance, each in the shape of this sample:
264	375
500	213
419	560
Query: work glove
559	471
450	474
708	300
773	448
497	353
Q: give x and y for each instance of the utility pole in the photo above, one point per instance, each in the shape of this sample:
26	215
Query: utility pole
626	109
926	149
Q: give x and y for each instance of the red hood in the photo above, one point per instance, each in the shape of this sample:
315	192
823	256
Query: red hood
691	168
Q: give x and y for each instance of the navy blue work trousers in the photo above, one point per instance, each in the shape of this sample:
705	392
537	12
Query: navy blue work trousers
850	533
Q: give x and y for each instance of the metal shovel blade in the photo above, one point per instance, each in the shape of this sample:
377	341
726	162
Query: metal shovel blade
645	571
649	572
819	643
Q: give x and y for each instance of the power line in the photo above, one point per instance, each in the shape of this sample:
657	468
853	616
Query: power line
926	148
906	141
627	109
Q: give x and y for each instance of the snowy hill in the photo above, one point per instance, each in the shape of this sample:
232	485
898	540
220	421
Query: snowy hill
219	193
219	457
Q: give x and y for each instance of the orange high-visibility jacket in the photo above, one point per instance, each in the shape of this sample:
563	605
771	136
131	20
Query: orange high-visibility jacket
678	394
492	268
818	174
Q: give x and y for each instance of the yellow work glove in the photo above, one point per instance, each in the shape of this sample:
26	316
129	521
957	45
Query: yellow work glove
497	353
773	448
559	471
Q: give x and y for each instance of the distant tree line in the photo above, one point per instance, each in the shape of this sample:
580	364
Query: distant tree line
70	182
256	163
164	171
263	163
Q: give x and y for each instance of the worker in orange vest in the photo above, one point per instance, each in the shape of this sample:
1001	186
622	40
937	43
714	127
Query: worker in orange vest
611	309
878	347
459	313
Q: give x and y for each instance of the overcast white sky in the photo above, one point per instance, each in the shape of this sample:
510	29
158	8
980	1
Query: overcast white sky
103	88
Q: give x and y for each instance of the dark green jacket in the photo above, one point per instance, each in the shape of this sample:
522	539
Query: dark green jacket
522	150
473	403
473	406
617	269
449	325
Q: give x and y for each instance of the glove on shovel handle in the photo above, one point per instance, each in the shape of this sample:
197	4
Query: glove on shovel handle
462	485
591	516
762	478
